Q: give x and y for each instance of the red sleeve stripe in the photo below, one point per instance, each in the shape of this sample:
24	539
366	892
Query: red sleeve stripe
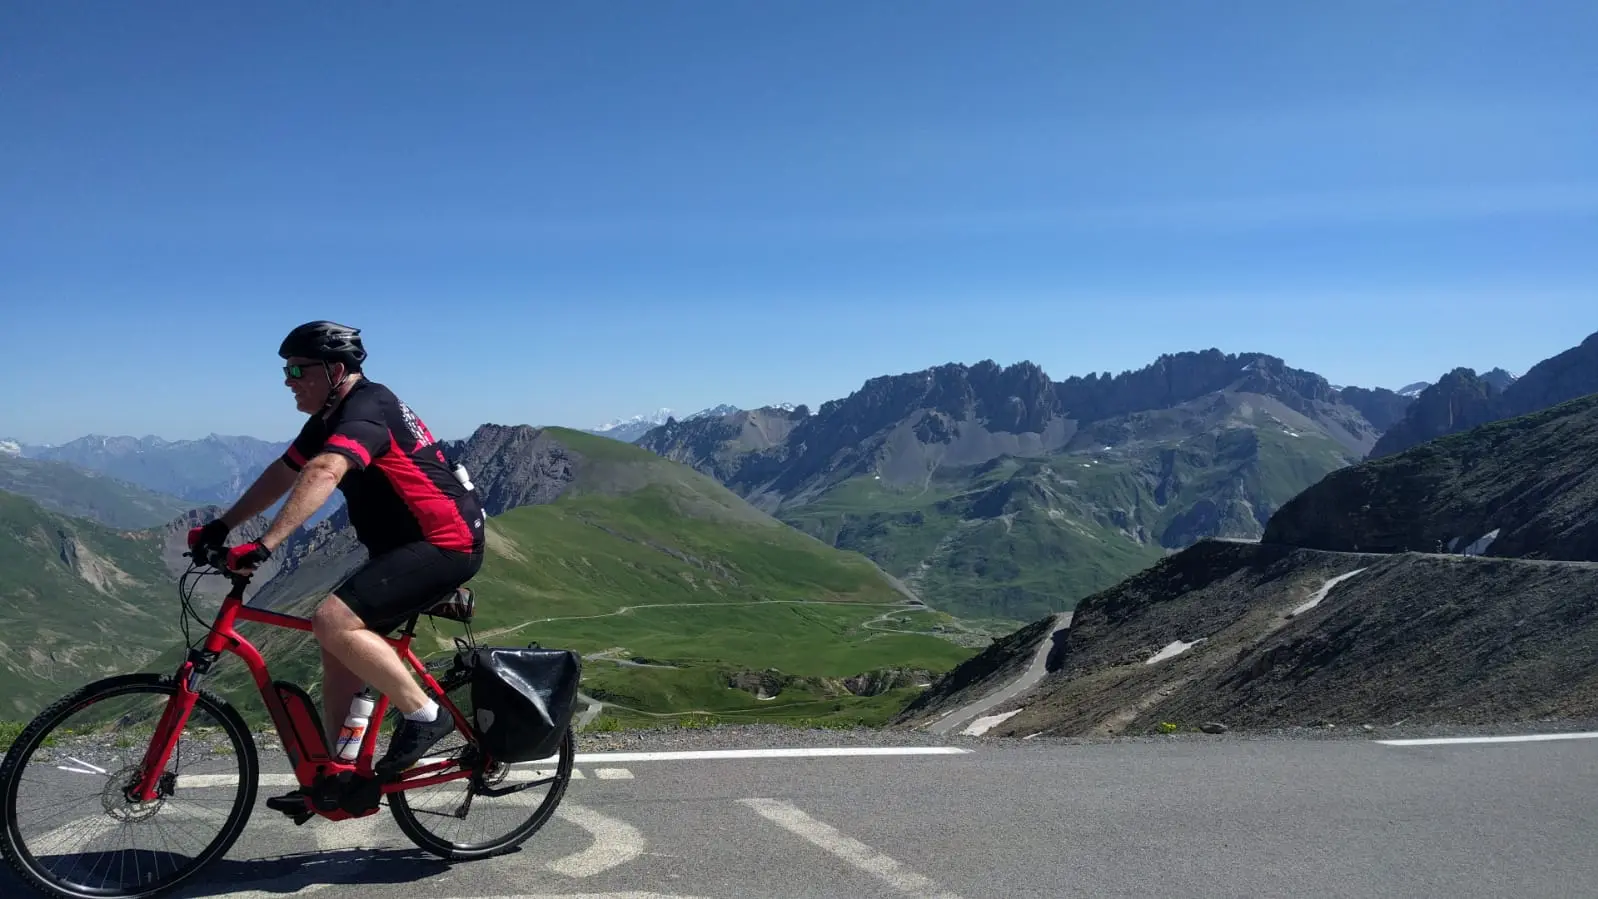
345	443
437	514
294	456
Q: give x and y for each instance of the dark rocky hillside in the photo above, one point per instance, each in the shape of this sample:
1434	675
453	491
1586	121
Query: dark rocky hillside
1524	487
1455	582
1264	636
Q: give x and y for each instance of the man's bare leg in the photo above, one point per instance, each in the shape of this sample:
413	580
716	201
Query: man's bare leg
339	686
365	655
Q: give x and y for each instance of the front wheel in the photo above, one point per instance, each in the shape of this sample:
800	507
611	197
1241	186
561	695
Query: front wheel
69	829
475	824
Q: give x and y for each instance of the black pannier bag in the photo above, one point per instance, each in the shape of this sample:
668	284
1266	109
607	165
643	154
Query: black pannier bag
523	699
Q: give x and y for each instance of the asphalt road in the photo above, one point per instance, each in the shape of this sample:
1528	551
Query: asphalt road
1235	816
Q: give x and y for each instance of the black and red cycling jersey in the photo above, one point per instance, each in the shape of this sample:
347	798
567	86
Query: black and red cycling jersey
400	488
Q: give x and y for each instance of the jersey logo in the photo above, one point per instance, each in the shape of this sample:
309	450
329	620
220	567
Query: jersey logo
419	432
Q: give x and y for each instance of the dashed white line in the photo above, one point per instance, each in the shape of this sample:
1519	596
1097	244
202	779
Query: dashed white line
630	894
613	774
790	818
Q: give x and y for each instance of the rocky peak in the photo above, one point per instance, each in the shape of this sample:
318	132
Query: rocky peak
1176	378
513	465
1459	400
1499	379
1017	398
1571	374
1462	399
1381	407
1273	377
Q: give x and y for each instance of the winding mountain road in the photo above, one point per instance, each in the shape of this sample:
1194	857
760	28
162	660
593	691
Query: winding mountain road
1032	675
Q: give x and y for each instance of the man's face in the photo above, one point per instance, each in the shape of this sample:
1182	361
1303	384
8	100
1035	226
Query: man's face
312	386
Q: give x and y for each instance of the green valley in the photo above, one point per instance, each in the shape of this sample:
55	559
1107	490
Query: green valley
1017	538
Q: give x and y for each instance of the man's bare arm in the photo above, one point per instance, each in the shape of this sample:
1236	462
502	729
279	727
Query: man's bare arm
317	481
268	486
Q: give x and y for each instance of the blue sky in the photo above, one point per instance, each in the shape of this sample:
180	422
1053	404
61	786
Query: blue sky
559	214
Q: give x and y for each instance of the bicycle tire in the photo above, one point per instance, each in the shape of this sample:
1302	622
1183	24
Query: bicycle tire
408	823
32	736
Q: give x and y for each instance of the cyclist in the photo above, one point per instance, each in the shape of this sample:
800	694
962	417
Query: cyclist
423	530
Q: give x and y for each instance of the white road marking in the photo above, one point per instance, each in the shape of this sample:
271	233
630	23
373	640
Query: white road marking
289	780
802	752
613	774
633	894
1521	738
95	769
284	780
790	818
615	842
354	833
278	892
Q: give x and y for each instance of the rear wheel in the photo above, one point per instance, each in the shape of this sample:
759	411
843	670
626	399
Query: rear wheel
459	820
70	831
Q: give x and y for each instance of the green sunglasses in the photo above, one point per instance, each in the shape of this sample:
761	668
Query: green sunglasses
296	371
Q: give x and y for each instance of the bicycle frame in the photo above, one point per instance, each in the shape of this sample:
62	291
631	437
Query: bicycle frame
311	757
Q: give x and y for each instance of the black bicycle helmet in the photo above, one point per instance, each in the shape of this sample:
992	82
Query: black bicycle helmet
327	341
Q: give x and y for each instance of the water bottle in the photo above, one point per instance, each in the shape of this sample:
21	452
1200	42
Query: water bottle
462	476
355	724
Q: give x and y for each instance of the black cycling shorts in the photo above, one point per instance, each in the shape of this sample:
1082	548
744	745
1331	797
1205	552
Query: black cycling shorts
389	588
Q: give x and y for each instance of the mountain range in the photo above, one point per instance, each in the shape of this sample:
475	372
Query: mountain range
997	492
1450	583
213	469
1462	399
629	429
970	498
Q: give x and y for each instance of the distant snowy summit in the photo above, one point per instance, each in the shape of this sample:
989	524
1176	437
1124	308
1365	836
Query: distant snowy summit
629	429
633	427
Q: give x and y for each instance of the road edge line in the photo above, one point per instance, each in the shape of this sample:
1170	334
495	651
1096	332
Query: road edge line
1516	738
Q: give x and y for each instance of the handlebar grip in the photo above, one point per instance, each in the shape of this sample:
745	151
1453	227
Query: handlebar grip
210	555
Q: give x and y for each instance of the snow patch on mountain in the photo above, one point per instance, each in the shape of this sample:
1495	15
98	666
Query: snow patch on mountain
649	419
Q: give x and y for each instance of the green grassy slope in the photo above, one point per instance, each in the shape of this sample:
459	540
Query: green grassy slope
1018	539
78	601
648	559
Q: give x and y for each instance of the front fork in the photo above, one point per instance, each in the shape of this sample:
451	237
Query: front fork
176	714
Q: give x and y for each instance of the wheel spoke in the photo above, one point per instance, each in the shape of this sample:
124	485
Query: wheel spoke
87	747
491	823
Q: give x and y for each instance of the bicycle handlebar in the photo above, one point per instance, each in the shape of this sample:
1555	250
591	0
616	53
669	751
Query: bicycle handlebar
216	558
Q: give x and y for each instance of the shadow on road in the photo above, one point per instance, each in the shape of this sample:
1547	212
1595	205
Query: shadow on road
289	874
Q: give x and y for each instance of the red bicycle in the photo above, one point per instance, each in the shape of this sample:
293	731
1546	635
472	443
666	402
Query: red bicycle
128	765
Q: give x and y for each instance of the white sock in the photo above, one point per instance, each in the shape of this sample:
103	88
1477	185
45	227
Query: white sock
424	714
